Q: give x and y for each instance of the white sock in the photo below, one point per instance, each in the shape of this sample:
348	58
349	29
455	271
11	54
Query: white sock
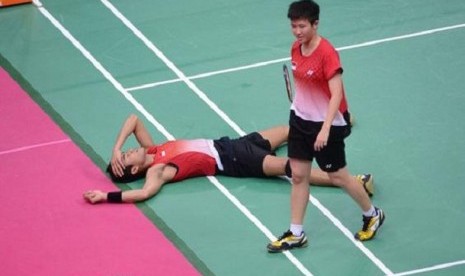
371	212
297	229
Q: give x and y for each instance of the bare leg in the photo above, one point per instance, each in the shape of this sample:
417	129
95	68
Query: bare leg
354	189
320	178
300	190
275	166
276	135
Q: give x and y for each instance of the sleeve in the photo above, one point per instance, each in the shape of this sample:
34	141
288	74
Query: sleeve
332	64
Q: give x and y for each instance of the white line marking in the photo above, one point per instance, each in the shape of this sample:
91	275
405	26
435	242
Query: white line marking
102	70
150	85
257	223
173	67
204	75
350	236
34	146
400	37
160	128
431	268
266	63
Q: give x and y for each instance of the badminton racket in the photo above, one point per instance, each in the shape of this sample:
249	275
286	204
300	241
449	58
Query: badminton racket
287	80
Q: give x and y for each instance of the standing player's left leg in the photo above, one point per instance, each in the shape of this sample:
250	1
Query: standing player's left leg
373	217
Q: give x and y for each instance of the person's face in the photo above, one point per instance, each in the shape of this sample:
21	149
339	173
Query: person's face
303	31
134	157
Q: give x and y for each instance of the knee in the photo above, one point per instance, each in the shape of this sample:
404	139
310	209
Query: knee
338	180
300	172
298	179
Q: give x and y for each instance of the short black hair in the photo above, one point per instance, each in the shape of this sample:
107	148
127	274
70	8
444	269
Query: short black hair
304	9
126	177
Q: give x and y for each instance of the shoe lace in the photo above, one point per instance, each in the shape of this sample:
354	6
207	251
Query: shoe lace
285	235
366	222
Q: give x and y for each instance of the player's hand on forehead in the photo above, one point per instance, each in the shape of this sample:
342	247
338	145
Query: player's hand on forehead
123	158
117	163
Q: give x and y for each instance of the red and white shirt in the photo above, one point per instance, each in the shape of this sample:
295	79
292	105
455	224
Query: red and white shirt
311	76
191	157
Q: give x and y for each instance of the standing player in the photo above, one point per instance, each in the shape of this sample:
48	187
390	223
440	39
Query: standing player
319	123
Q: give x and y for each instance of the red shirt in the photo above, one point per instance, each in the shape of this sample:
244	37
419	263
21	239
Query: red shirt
311	76
191	157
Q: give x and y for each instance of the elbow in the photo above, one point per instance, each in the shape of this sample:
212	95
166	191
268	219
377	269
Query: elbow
144	195
133	117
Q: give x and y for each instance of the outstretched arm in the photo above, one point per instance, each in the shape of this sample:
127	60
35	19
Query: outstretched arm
132	125
155	178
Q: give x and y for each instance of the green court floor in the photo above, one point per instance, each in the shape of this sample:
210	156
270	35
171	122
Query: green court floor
201	68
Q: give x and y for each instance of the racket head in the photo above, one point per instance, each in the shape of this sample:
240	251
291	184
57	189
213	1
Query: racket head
287	80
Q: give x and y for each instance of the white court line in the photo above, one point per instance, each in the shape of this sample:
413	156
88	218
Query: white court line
191	85
173	67
160	128
258	223
34	146
209	74
431	268
350	236
102	70
266	63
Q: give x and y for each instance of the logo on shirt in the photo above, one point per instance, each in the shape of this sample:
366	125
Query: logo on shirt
309	72
293	65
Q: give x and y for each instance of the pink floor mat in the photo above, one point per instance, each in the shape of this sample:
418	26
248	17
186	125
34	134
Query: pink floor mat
46	228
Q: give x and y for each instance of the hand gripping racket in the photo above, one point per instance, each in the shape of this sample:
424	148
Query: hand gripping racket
287	80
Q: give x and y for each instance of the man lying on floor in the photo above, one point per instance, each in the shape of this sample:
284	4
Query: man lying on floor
249	156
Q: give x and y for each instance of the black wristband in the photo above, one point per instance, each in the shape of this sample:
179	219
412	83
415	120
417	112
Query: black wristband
115	197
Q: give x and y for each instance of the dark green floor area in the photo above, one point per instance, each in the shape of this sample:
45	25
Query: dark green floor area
406	95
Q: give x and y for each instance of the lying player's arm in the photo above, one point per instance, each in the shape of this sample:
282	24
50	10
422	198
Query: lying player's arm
132	125
155	178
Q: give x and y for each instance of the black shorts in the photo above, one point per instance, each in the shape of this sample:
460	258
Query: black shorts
243	157
302	137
